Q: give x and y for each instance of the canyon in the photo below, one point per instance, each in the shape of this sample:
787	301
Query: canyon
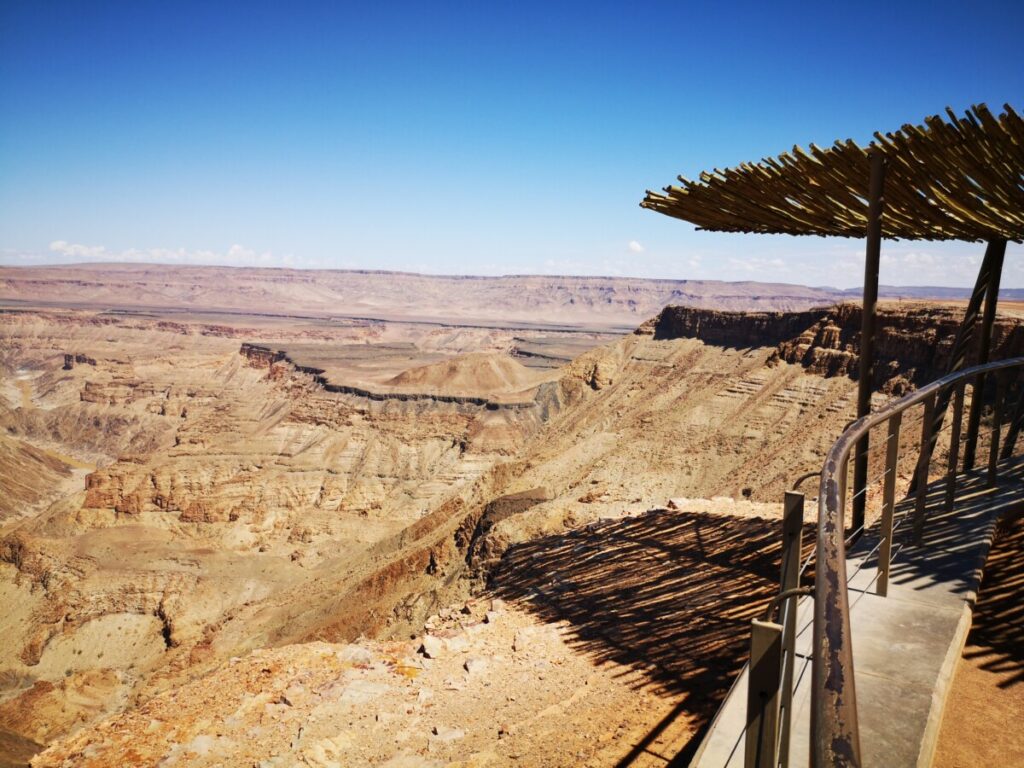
328	531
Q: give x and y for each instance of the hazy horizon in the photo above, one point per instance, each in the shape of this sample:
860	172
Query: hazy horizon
939	290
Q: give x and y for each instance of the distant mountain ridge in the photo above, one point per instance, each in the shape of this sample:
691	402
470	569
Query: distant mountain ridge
548	299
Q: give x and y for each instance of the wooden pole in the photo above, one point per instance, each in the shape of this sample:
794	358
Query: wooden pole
924	461
997	422
763	694
792	541
954	446
997	249
892	454
872	257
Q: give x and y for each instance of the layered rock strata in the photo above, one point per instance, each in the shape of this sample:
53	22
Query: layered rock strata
913	344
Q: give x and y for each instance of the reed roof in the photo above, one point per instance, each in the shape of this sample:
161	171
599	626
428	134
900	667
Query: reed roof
960	178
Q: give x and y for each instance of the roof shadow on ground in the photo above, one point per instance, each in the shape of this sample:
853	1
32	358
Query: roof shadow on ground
997	632
668	593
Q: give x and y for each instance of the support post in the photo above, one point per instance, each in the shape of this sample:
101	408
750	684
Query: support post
962	346
763	694
892	452
923	462
997	249
954	445
872	257
792	545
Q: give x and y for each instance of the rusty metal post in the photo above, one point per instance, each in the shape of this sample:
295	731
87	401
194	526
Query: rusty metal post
997	249
892	452
997	423
835	738
954	445
763	694
923	462
792	545
872	257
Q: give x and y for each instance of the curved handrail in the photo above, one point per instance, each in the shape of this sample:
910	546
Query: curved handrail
835	739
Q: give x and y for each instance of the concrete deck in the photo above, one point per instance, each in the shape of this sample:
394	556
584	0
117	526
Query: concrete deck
906	645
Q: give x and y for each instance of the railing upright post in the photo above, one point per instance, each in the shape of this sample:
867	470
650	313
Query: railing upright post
997	423
923	462
892	452
792	546
763	694
834	732
1013	426
974	420
954	445
844	476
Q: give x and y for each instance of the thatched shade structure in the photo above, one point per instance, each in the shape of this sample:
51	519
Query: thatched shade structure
961	179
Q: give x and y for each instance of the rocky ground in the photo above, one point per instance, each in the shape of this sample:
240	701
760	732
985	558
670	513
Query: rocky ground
188	507
487	685
156	482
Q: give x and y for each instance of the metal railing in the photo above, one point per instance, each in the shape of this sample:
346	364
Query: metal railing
835	737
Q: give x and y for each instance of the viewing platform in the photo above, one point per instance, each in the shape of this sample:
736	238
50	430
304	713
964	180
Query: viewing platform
905	645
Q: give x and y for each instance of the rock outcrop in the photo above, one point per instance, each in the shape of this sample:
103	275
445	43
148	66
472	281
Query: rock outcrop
912	346
739	330
71	359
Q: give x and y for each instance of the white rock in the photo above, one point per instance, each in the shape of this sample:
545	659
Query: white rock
525	639
456	644
444	733
327	753
498	605
432	647
410	761
355	654
452	684
362	691
475	665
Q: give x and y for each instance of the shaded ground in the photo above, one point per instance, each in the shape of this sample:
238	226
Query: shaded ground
981	723
671	593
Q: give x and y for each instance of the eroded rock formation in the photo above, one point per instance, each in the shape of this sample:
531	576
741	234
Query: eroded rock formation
235	500
912	346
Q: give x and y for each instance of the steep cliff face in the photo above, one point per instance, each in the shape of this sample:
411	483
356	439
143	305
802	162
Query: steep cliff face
912	346
739	330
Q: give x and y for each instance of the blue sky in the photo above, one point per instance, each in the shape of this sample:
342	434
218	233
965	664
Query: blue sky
482	138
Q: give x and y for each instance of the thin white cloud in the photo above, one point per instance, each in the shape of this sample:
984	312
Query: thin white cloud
236	255
758	264
636	247
74	250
